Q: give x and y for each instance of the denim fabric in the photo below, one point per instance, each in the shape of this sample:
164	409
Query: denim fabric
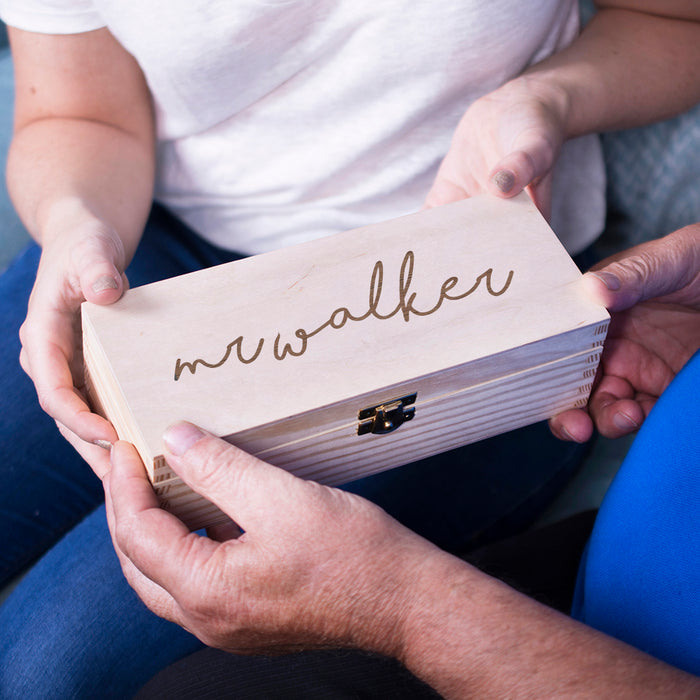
77	630
47	488
74	628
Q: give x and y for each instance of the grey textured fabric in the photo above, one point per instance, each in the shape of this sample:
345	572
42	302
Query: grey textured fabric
652	175
653	186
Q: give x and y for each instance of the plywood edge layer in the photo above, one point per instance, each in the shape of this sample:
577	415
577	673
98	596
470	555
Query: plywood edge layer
504	405
433	387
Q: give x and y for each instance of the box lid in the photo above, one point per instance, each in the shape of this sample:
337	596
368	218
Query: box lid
257	341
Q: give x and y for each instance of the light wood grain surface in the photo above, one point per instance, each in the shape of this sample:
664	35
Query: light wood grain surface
475	306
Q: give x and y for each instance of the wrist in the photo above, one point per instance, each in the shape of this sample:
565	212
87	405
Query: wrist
436	620
57	218
383	609
553	96
69	222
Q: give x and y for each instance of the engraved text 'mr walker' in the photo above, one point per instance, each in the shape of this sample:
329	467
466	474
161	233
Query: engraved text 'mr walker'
406	306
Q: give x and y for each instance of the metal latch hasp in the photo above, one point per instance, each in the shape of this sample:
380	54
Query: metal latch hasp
386	417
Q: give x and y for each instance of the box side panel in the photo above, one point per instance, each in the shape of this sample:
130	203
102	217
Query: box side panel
445	423
105	396
328	420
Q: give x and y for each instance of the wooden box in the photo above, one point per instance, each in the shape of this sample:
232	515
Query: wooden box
354	353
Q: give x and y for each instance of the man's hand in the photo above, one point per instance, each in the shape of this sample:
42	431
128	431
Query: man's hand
318	567
653	293
315	566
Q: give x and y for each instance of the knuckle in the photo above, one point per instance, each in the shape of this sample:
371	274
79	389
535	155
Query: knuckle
102	245
639	267
23	333
525	163
214	464
24	361
199	607
208	471
651	274
123	535
45	400
27	332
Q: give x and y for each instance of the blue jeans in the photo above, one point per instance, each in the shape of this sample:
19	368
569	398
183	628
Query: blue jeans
73	627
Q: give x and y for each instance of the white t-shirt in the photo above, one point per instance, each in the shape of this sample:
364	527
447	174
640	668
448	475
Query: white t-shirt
281	121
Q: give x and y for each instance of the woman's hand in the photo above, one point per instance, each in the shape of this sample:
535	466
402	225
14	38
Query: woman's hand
85	261
633	63
80	172
507	141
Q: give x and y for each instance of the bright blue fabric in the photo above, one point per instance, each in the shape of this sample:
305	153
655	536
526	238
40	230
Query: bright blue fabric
640	578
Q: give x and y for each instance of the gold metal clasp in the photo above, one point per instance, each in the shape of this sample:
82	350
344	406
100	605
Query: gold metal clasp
386	417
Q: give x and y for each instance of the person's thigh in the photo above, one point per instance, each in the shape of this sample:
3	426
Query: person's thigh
311	675
73	628
46	486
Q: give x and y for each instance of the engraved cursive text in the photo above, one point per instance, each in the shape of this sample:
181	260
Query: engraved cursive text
405	307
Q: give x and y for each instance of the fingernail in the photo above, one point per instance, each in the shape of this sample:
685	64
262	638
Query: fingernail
104	444
567	435
504	180
624	422
104	282
611	281
179	437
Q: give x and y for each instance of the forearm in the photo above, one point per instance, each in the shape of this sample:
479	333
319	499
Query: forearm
626	69
64	172
318	567
469	635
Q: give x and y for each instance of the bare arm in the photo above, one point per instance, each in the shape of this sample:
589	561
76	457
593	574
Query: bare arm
83	139
634	63
319	567
471	636
80	173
